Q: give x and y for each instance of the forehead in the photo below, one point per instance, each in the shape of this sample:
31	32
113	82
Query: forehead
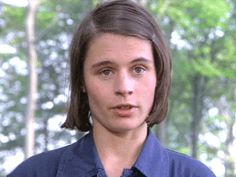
112	38
111	46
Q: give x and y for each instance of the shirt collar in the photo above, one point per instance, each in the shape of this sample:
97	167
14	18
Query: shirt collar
82	158
152	160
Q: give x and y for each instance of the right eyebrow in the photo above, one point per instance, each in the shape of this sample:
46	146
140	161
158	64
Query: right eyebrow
102	63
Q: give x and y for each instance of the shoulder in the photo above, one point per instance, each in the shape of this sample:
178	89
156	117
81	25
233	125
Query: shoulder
157	160
44	164
182	164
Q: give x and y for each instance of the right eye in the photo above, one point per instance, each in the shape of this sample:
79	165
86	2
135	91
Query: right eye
106	72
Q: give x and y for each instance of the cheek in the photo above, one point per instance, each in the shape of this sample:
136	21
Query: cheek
97	95
94	101
148	90
150	84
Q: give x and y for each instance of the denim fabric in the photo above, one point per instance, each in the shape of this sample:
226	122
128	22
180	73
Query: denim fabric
81	160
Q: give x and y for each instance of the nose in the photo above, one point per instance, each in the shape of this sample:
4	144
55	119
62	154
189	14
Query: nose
124	85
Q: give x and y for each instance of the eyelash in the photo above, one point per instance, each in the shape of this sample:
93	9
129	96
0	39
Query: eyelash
103	72
143	68
137	70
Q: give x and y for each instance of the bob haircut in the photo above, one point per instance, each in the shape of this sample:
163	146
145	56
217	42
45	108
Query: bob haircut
122	17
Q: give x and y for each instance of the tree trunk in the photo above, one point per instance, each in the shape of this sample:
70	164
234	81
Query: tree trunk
32	83
46	134
229	160
142	2
161	131
198	86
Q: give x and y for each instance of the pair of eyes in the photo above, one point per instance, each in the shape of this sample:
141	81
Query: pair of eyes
108	71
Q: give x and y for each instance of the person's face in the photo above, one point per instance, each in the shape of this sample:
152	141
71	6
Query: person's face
120	81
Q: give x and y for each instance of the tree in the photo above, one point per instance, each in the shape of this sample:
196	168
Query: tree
33	79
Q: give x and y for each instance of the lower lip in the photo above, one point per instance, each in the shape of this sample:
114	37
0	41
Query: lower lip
124	112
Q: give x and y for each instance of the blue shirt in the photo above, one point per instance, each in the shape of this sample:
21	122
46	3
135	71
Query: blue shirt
81	160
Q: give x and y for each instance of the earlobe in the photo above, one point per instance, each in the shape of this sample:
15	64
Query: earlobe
83	89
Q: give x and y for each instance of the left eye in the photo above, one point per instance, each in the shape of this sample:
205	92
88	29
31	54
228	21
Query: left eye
139	70
106	72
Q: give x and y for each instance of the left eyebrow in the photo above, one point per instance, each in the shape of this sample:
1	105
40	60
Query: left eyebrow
141	59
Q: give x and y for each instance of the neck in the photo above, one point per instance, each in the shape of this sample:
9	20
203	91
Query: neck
121	149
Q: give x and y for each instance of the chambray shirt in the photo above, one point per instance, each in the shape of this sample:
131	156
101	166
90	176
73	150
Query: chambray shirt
81	160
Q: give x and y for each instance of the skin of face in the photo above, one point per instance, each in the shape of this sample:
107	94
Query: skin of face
120	81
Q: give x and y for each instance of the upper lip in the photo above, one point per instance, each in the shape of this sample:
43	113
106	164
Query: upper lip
124	105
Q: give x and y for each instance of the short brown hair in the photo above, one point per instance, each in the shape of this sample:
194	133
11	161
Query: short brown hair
126	18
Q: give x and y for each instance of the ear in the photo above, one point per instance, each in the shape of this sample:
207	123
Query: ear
83	89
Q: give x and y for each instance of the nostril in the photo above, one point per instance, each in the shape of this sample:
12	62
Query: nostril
130	92
124	93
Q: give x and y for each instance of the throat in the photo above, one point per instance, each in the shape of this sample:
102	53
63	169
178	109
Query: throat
118	152
115	164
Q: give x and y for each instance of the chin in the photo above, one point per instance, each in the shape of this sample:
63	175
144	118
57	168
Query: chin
122	128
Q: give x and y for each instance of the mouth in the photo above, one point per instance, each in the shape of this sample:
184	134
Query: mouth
124	106
124	110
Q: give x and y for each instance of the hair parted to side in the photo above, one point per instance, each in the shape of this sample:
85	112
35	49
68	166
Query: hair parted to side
126	18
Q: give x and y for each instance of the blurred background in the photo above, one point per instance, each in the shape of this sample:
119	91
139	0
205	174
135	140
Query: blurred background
34	39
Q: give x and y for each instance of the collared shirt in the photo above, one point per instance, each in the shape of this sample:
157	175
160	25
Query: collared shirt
81	160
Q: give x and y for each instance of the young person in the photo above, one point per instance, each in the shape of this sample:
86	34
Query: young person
120	71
